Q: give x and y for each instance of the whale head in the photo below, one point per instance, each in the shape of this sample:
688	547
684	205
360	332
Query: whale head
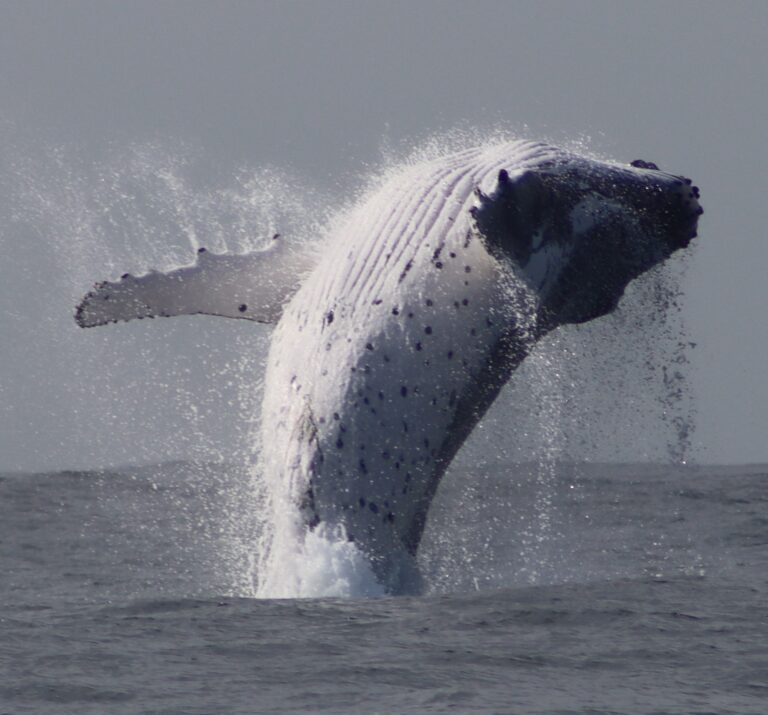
577	231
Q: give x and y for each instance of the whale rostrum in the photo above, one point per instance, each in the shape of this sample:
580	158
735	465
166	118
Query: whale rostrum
394	337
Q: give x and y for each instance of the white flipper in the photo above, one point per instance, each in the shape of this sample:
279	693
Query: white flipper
253	286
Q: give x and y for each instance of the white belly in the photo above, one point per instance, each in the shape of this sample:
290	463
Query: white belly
374	353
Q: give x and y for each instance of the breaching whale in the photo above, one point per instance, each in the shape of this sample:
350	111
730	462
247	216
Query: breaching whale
394	338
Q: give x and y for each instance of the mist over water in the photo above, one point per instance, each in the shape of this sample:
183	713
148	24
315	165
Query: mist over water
614	390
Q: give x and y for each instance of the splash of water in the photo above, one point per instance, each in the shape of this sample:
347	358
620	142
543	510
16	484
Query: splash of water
156	392
313	565
141	207
614	390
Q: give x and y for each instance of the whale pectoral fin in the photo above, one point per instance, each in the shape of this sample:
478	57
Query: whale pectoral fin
253	286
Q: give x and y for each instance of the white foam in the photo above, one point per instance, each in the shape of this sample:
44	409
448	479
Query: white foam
316	565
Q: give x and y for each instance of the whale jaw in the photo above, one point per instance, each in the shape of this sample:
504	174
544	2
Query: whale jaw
578	232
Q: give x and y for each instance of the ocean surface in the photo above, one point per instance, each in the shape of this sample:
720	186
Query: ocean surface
551	588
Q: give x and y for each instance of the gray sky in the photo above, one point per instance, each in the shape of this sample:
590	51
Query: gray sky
101	99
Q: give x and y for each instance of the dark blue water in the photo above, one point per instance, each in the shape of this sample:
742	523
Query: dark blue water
551	589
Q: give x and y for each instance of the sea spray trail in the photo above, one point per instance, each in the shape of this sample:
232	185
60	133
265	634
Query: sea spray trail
67	216
132	398
586	394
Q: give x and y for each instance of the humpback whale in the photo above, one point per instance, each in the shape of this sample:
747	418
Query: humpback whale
394	336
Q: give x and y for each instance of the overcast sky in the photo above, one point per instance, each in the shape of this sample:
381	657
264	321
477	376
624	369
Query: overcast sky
100	99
